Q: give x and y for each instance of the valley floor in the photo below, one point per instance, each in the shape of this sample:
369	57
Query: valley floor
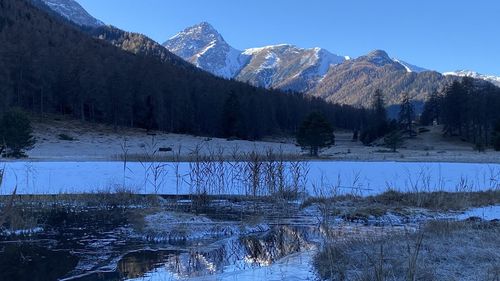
94	142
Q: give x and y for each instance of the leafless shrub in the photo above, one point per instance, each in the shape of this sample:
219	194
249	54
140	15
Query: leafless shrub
154	172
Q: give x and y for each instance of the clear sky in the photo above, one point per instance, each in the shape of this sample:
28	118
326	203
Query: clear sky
442	35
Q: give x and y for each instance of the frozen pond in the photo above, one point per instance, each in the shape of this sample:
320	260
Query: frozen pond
362	178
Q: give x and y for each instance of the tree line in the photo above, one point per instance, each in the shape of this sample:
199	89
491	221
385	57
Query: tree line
469	109
47	66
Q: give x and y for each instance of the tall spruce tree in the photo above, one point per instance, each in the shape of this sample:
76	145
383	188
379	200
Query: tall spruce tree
406	115
376	125
431	111
315	133
15	133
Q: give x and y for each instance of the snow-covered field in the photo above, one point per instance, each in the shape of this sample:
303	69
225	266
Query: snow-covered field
97	142
362	178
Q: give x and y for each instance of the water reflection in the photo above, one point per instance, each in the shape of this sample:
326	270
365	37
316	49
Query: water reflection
229	255
28	262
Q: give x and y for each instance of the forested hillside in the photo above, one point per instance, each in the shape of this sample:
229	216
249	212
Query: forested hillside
469	109
47	66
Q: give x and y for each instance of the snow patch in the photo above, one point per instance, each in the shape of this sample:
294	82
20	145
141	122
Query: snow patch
485	213
410	67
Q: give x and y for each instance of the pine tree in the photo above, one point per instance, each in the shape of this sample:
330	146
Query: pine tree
231	116
394	140
315	133
380	113
496	136
16	133
431	112
376	124
406	115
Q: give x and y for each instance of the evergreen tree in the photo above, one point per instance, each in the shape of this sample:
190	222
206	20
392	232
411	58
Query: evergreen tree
394	140
496	136
379	113
376	124
16	133
315	133
231	116
406	115
431	110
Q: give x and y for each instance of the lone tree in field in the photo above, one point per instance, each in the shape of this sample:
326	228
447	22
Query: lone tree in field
15	134
394	140
315	133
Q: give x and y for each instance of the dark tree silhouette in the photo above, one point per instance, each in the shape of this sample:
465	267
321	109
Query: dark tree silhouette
231	116
15	133
496	136
315	133
406	115
431	111
394	140
376	125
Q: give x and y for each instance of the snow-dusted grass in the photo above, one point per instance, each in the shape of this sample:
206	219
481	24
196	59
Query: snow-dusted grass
331	178
441	250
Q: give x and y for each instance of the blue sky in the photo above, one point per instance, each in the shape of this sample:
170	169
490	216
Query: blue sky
442	35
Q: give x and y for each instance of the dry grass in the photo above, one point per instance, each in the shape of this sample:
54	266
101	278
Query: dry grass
353	207
438	251
441	201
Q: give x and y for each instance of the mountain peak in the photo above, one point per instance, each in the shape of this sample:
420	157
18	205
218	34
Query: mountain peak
379	53
202	31
71	10
378	58
203	46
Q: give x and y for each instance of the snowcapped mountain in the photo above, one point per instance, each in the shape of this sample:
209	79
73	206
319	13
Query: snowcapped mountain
71	10
463	73
287	67
280	66
204	47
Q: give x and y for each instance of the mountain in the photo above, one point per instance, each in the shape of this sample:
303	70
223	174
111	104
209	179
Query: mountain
281	66
314	71
467	73
49	66
71	10
286	67
204	47
354	81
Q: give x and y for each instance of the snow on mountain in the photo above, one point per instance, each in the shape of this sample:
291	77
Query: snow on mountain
71	10
468	73
204	47
278	66
410	67
287	67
